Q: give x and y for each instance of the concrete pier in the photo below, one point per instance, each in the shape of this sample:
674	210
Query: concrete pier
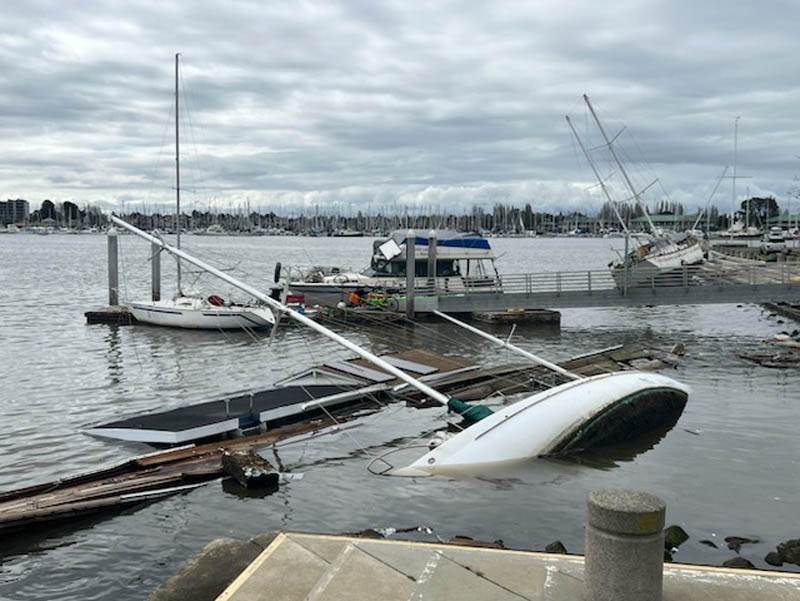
321	567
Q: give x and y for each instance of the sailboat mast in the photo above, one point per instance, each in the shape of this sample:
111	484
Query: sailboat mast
735	153
277	306
597	175
619	164
177	170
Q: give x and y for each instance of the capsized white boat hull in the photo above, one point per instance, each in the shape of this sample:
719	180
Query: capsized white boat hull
197	314
551	422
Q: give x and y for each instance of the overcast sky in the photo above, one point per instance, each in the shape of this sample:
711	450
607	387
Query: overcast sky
353	104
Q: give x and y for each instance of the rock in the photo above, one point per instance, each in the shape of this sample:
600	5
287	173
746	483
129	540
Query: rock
738	562
467	541
366	533
207	574
678	349
735	542
773	558
790	551
709	543
674	536
556	547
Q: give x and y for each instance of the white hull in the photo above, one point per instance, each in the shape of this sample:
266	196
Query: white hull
657	263
539	425
329	293
198	314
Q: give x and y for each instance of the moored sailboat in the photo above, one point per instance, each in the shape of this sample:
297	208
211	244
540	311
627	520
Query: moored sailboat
193	311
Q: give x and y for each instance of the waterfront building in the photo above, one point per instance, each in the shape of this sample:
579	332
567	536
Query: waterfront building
14	211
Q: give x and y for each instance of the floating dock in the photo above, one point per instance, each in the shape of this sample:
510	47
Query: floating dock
152	476
299	397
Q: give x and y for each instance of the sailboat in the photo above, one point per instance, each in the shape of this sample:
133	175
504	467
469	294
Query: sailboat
189	311
567	417
651	259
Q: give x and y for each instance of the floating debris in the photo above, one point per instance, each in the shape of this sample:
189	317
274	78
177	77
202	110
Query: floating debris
250	469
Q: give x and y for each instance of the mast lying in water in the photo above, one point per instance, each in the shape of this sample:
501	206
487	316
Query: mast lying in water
468	411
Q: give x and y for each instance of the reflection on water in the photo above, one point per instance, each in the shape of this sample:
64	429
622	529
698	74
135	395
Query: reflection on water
114	354
610	456
731	460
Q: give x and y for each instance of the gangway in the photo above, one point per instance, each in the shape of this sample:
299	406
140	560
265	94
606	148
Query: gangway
707	283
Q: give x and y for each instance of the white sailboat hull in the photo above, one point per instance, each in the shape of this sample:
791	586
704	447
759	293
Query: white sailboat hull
201	315
547	423
658	263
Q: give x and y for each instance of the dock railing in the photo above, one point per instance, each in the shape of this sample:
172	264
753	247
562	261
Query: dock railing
706	283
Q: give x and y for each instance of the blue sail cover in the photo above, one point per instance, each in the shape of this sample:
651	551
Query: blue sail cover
446	238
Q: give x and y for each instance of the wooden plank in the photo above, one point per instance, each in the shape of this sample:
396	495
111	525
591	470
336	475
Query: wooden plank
358	370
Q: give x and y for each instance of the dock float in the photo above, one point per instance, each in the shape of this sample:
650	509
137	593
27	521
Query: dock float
114	314
299	397
160	474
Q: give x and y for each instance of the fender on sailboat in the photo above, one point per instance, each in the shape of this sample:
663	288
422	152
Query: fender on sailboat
567	418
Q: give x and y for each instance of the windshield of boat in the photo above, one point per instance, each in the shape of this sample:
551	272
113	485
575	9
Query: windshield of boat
380	267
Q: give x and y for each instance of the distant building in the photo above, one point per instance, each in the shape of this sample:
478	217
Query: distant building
14	211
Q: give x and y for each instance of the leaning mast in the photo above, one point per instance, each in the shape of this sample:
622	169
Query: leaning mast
597	175
177	171
619	164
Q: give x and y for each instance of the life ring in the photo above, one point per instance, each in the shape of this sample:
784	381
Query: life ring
341	279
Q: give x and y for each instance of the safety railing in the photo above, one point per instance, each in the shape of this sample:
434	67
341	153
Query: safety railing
595	281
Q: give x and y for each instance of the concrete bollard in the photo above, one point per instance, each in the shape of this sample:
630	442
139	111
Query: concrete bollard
155	271
411	266
113	268
624	546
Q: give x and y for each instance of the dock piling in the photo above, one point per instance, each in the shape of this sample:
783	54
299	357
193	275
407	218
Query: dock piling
155	271
113	267
410	272
432	258
624	546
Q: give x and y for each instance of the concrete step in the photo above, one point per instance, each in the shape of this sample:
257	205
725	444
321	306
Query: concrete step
356	574
446	580
288	573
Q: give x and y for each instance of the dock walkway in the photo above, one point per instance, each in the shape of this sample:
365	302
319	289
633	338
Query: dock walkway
719	281
323	568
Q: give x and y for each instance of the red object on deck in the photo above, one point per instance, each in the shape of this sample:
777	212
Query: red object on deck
295	298
215	300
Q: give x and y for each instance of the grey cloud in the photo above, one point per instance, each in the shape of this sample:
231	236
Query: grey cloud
391	103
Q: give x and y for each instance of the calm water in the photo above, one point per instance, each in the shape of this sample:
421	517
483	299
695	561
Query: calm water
729	467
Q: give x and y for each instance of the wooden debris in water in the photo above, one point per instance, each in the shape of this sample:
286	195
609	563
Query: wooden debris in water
250	469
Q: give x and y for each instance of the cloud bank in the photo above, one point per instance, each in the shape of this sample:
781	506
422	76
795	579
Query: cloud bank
393	106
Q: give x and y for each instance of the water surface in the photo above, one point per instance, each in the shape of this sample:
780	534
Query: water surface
729	467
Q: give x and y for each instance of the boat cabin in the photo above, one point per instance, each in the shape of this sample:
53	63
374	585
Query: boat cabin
457	255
